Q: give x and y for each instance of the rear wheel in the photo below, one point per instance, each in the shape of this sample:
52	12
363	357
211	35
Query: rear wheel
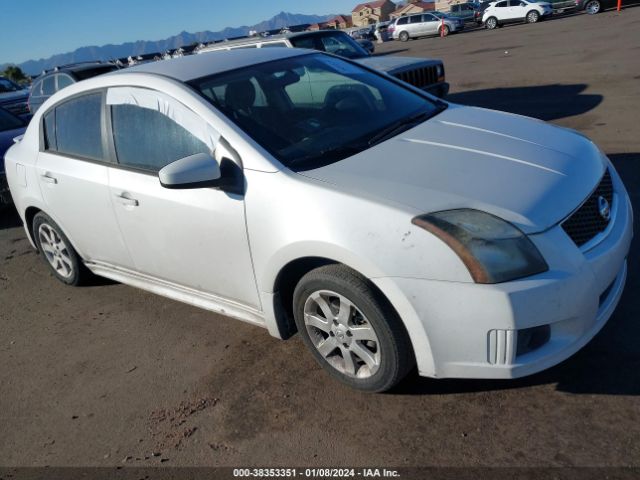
351	330
533	17
404	36
62	259
491	23
593	6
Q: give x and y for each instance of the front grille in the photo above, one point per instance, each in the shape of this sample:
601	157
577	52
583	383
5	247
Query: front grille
586	222
420	77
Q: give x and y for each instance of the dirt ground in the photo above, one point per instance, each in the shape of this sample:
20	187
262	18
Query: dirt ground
109	375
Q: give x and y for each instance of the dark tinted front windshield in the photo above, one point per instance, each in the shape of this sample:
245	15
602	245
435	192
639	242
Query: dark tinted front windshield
338	43
313	110
8	121
7	85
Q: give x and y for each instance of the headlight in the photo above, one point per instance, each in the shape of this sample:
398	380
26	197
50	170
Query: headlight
492	249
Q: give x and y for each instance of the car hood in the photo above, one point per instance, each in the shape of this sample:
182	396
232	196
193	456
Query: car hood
8	97
394	64
525	171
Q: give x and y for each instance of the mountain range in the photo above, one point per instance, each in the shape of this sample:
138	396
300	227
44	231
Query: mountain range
140	47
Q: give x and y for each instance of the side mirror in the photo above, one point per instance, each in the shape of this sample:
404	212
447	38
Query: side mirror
195	171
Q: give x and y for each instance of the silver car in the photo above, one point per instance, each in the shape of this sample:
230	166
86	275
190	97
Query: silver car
424	24
299	191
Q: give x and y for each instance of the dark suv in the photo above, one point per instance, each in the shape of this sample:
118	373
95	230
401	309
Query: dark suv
53	80
13	97
469	12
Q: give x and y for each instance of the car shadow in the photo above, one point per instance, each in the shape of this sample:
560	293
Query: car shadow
9	217
608	365
546	102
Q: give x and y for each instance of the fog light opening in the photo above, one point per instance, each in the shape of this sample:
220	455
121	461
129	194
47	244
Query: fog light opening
530	339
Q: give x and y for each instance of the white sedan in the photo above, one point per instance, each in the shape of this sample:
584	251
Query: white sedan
299	191
510	11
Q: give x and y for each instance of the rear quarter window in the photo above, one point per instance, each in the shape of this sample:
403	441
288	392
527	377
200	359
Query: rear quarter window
78	127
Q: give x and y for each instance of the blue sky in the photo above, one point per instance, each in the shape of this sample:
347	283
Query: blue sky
37	29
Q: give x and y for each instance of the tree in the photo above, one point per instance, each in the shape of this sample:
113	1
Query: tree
13	72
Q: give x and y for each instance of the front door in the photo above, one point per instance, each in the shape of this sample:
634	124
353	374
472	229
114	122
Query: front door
194	238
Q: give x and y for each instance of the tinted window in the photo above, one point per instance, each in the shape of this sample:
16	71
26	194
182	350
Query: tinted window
49	85
273	44
514	3
149	140
64	81
430	18
501	4
94	72
403	20
78	127
415	19
7	85
49	126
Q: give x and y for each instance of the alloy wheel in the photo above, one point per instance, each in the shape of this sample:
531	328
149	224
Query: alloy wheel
593	7
55	250
342	334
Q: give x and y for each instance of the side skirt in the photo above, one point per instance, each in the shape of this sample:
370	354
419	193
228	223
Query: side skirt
180	293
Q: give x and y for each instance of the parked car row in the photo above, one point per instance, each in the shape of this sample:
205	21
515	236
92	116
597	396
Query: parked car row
491	14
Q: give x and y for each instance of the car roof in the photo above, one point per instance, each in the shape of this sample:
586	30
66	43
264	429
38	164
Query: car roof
191	67
275	38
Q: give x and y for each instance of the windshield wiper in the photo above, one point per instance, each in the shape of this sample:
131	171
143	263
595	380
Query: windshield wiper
330	155
404	124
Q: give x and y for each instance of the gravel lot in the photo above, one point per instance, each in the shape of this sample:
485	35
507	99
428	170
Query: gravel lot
109	375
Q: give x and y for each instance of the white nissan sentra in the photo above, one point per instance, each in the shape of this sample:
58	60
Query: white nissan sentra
299	191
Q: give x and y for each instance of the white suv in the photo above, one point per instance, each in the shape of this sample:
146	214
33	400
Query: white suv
509	11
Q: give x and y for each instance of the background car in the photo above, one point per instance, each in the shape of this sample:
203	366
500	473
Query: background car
424	24
469	12
14	97
52	81
11	126
512	11
425	74
597	6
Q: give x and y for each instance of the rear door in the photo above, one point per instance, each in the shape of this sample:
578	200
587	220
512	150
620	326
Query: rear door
73	175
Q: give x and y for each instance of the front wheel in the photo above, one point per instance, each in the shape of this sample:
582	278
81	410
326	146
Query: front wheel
491	23
351	330
593	6
444	30
404	36
533	17
62	259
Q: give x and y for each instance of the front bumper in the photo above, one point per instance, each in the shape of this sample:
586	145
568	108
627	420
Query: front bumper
470	330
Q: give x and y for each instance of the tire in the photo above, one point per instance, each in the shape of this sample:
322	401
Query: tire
491	23
593	7
60	256
367	346
444	31
404	36
532	16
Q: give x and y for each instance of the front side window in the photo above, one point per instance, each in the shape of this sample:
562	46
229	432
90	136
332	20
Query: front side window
317	109
151	130
78	127
403	20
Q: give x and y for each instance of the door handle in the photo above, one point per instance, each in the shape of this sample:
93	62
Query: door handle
126	200
47	178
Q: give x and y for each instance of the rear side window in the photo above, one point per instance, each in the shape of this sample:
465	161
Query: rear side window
49	127
149	140
78	127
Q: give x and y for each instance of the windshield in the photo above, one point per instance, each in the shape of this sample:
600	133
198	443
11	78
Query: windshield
7	85
338	43
9	121
313	110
